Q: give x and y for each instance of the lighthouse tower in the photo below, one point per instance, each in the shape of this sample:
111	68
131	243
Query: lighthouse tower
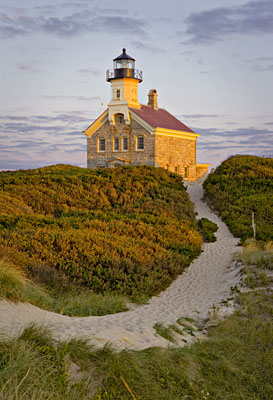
124	80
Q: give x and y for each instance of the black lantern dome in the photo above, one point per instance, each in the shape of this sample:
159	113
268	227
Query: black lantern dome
124	67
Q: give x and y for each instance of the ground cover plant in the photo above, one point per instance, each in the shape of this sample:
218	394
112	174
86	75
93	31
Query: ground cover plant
239	186
128	231
207	229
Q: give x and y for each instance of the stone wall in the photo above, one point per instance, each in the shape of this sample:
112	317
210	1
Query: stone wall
201	170
177	155
132	156
173	153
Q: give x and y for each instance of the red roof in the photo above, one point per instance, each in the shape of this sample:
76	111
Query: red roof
160	118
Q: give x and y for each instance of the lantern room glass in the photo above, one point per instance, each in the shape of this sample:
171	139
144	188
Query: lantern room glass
124	63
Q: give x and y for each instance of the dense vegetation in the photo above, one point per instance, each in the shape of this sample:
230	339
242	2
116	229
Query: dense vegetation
236	362
239	186
128	230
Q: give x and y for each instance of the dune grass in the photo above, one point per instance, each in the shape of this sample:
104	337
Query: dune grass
16	287
236	362
257	253
34	367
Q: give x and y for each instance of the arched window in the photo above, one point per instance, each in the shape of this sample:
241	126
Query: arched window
119	118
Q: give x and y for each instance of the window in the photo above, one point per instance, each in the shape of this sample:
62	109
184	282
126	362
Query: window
116	144
119	118
125	144
140	143
118	93
102	144
176	169
186	172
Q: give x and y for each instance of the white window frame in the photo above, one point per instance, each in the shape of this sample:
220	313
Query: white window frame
137	143
99	145
123	149
116	140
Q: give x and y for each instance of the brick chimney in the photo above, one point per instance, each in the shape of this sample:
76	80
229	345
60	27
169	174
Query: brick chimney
152	99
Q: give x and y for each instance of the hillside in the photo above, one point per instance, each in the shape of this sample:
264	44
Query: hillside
129	230
239	186
235	362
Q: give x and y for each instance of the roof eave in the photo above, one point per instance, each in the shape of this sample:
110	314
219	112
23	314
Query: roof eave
176	133
96	124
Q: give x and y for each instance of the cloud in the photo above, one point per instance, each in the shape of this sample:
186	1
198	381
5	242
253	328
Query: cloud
81	98
260	63
73	24
214	145
87	71
254	17
61	124
27	68
199	116
138	44
38	140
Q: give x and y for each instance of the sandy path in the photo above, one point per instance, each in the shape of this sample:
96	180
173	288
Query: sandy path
204	284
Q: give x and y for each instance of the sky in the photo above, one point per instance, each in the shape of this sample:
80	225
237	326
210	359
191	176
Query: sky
211	63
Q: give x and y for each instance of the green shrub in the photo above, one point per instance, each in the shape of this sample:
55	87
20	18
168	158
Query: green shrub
240	186
207	229
129	230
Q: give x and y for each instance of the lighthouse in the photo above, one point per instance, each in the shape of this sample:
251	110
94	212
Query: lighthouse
124	79
130	133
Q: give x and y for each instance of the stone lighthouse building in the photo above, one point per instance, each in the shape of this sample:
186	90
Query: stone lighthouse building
130	133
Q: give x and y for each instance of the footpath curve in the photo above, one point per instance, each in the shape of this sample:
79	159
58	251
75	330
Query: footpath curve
193	294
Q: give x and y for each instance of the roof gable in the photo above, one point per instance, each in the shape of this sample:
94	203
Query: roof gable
96	124
160	118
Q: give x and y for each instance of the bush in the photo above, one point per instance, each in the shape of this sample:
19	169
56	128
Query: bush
129	230
239	186
207	229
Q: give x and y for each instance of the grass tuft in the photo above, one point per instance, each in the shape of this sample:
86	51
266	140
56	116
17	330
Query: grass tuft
16	287
254	254
165	332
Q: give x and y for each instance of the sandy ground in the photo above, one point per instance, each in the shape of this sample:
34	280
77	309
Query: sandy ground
193	294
